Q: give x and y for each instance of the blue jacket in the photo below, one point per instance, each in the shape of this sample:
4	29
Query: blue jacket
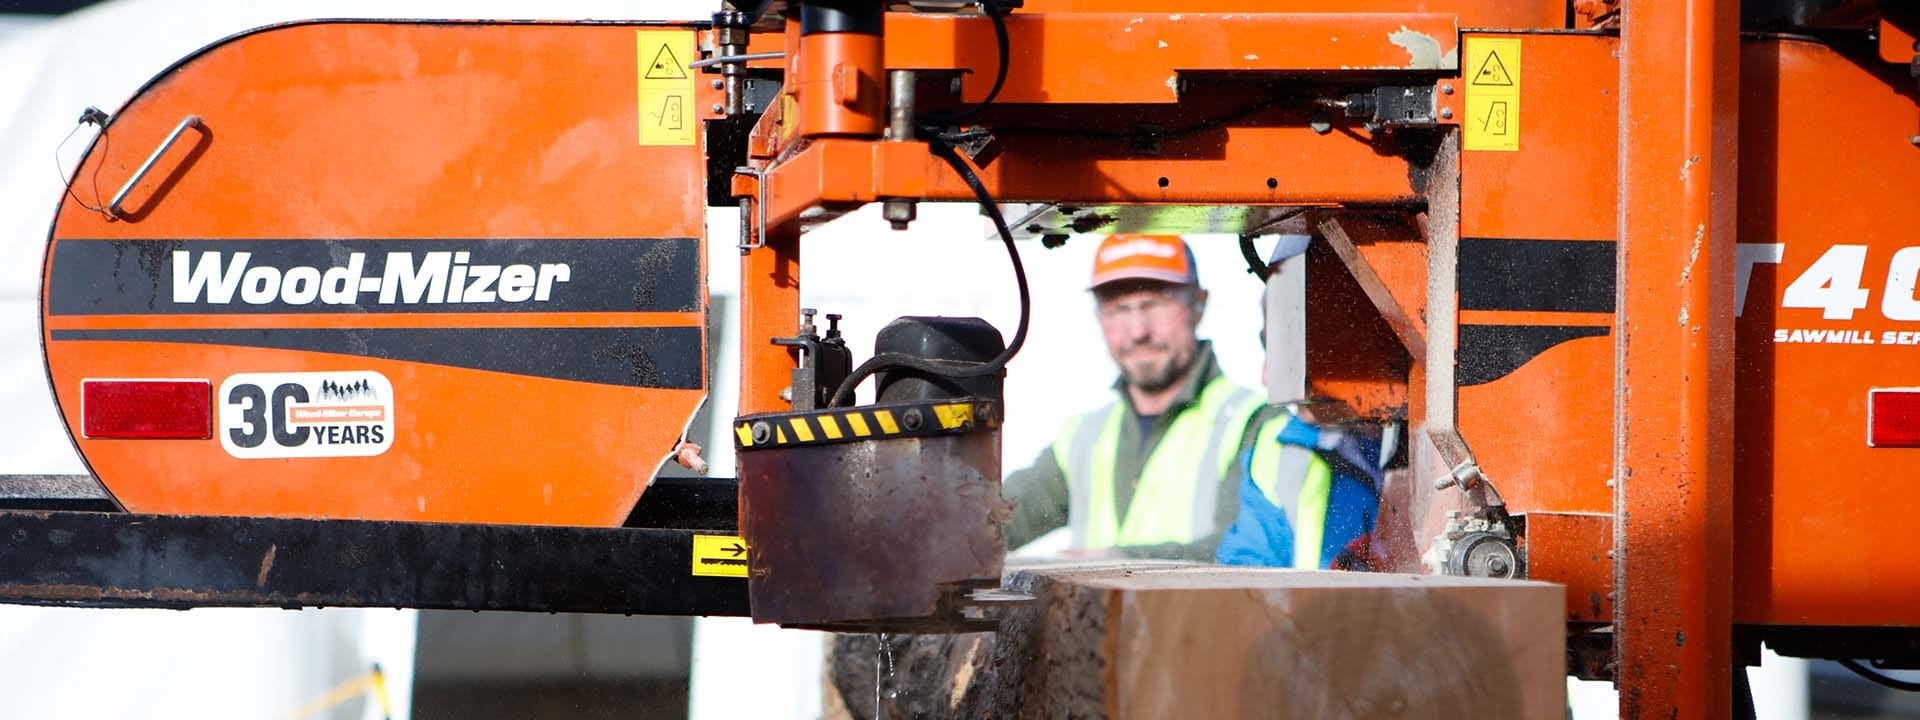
1262	534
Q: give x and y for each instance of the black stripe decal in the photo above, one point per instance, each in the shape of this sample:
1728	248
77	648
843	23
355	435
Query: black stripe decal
651	357
1538	275
148	277
1490	352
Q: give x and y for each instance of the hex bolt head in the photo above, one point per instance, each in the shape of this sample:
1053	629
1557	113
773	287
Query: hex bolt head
912	419
1446	113
1446	88
1497	565
718	108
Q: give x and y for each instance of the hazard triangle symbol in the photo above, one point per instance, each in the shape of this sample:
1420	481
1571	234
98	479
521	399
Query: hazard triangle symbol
1493	72
665	66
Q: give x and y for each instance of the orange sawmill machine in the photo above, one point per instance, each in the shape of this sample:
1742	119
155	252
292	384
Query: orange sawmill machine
412	313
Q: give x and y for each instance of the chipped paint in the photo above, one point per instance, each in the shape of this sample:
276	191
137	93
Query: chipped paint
1688	165
1128	28
1136	21
1162	43
1250	56
1423	50
1173	83
1175	18
1693	256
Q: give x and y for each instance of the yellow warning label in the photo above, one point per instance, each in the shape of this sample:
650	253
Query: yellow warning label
1492	117
666	88
719	556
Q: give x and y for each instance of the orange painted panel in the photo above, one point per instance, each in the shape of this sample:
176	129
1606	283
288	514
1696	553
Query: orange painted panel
1823	522
344	178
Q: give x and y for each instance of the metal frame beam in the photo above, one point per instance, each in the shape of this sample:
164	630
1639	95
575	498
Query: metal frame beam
1673	387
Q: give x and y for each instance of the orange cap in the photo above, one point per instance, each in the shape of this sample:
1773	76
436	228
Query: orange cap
1145	257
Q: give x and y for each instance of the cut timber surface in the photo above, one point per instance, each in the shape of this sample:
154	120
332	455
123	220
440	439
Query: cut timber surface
1166	640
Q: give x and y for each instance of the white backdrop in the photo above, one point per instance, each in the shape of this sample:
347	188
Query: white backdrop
260	663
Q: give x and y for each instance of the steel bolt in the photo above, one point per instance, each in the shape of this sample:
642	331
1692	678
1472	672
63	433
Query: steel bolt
718	108
912	419
899	213
762	432
1446	89
717	84
1915	139
1446	113
1497	565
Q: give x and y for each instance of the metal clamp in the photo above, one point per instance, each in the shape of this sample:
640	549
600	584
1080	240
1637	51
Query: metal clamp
750	241
113	208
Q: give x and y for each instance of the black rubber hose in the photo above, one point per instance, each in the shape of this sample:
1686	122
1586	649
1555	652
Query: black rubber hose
1879	679
992	9
844	395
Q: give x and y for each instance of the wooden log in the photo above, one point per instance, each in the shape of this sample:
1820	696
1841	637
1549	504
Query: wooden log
1198	641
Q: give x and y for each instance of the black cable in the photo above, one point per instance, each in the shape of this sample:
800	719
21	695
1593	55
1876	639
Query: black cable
992	9
843	396
1879	679
1255	265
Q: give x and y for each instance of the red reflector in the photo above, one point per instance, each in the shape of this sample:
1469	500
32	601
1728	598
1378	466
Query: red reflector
1893	418
146	409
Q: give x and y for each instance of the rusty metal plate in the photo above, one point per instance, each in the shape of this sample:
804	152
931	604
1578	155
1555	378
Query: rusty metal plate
889	534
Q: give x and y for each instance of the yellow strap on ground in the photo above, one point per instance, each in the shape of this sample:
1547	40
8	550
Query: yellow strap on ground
373	681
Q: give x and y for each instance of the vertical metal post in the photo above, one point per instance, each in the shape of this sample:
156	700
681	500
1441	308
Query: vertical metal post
1673	334
900	212
1287	326
769	308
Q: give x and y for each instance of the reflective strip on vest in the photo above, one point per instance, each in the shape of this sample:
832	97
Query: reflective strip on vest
1299	482
1177	495
1241	404
1074	453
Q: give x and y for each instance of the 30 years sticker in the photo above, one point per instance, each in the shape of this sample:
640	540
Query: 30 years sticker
306	415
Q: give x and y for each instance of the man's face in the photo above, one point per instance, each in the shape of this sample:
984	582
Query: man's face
1149	327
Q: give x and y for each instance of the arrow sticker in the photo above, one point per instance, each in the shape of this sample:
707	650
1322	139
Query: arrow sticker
719	556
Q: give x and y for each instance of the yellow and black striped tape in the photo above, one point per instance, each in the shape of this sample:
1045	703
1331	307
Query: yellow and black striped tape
863	423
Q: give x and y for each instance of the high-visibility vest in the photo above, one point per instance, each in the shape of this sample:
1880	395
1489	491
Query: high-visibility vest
1178	493
1294	478
1320	485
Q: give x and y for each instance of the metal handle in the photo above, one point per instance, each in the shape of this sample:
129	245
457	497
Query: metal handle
113	208
743	59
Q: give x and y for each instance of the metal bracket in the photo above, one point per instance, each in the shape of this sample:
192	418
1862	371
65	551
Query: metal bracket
753	236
